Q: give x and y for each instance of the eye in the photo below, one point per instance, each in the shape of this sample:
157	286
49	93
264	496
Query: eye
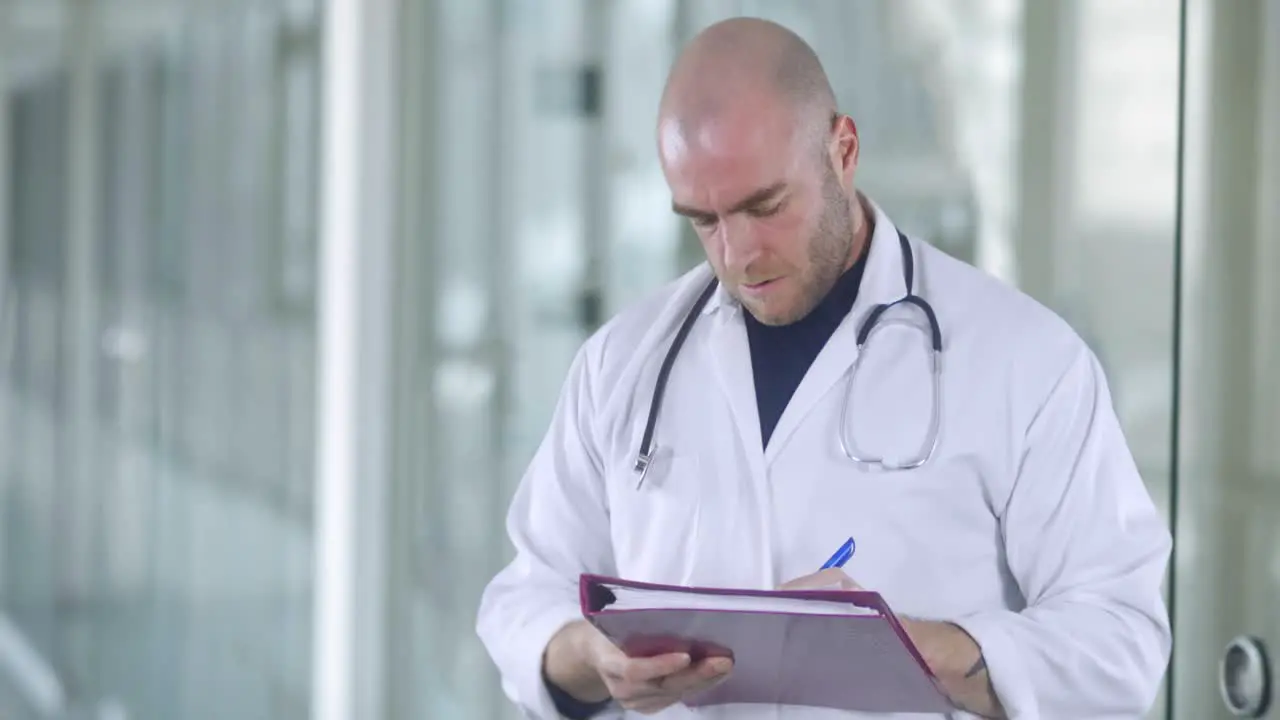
704	221
765	210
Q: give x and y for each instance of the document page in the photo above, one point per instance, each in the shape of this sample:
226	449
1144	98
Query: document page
645	599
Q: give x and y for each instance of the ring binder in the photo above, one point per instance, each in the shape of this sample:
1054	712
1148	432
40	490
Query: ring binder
824	648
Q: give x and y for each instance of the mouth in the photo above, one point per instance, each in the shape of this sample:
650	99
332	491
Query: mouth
759	287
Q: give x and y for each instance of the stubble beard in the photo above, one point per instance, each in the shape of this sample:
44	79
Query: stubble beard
830	253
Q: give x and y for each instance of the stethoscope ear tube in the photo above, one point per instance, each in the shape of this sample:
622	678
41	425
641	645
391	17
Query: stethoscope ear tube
935	332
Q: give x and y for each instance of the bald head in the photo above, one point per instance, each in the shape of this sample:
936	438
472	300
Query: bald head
739	68
760	162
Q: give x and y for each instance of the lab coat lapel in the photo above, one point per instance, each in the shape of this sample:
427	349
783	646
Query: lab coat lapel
881	283
731	359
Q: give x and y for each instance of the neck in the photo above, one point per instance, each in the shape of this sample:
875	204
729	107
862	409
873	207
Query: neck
863	226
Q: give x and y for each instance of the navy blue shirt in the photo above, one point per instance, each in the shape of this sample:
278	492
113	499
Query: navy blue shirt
780	356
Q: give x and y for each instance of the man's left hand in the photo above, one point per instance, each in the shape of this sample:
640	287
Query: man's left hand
948	650
829	579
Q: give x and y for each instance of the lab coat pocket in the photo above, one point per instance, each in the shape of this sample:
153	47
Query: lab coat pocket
656	527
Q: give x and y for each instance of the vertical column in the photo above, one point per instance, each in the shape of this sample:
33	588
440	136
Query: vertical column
595	169
8	297
80	347
1043	211
1220	501
7	316
128	526
499	339
20	663
352	468
685	24
644	241
416	347
1266	327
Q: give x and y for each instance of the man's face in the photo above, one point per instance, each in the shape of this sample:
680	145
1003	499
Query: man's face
770	210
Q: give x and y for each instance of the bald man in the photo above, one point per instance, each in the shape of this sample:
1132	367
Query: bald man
1042	576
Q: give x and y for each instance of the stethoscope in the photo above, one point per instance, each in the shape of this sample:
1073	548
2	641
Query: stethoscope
869	325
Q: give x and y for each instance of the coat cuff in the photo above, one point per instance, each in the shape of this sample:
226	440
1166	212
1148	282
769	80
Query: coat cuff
1009	678
527	681
570	706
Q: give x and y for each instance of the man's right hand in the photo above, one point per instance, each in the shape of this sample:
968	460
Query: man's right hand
584	663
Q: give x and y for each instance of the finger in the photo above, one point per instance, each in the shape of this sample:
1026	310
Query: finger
632	691
697	677
623	668
674	684
836	577
709	669
709	683
651	706
643	670
829	579
630	694
715	667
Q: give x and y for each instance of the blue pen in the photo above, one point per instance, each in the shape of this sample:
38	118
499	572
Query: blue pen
841	556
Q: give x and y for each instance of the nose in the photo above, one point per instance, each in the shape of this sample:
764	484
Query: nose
741	245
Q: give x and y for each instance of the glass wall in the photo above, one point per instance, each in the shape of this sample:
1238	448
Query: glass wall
156	358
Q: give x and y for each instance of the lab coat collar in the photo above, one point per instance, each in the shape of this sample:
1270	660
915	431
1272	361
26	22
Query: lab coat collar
882	282
882	279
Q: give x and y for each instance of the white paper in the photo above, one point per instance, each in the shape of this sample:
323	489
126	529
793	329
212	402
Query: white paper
645	599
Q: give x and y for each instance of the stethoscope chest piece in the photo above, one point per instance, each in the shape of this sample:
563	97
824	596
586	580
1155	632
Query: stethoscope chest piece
643	461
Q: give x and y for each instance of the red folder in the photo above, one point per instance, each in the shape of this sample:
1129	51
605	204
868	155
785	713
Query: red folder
815	653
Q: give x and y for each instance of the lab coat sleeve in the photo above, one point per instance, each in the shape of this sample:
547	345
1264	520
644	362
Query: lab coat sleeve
1089	551
558	523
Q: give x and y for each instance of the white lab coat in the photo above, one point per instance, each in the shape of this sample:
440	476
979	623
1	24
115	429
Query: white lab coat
1030	528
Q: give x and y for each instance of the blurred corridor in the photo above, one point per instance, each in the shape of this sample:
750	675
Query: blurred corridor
173	173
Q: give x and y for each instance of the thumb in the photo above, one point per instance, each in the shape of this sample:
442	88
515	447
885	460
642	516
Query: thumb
830	579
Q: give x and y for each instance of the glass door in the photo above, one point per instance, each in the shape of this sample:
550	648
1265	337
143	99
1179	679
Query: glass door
1227	501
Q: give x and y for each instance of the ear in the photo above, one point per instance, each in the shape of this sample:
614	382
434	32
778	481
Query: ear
846	147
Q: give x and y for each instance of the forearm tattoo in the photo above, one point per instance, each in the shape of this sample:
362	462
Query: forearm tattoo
977	667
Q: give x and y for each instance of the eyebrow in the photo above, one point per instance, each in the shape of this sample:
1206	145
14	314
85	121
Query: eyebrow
759	196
